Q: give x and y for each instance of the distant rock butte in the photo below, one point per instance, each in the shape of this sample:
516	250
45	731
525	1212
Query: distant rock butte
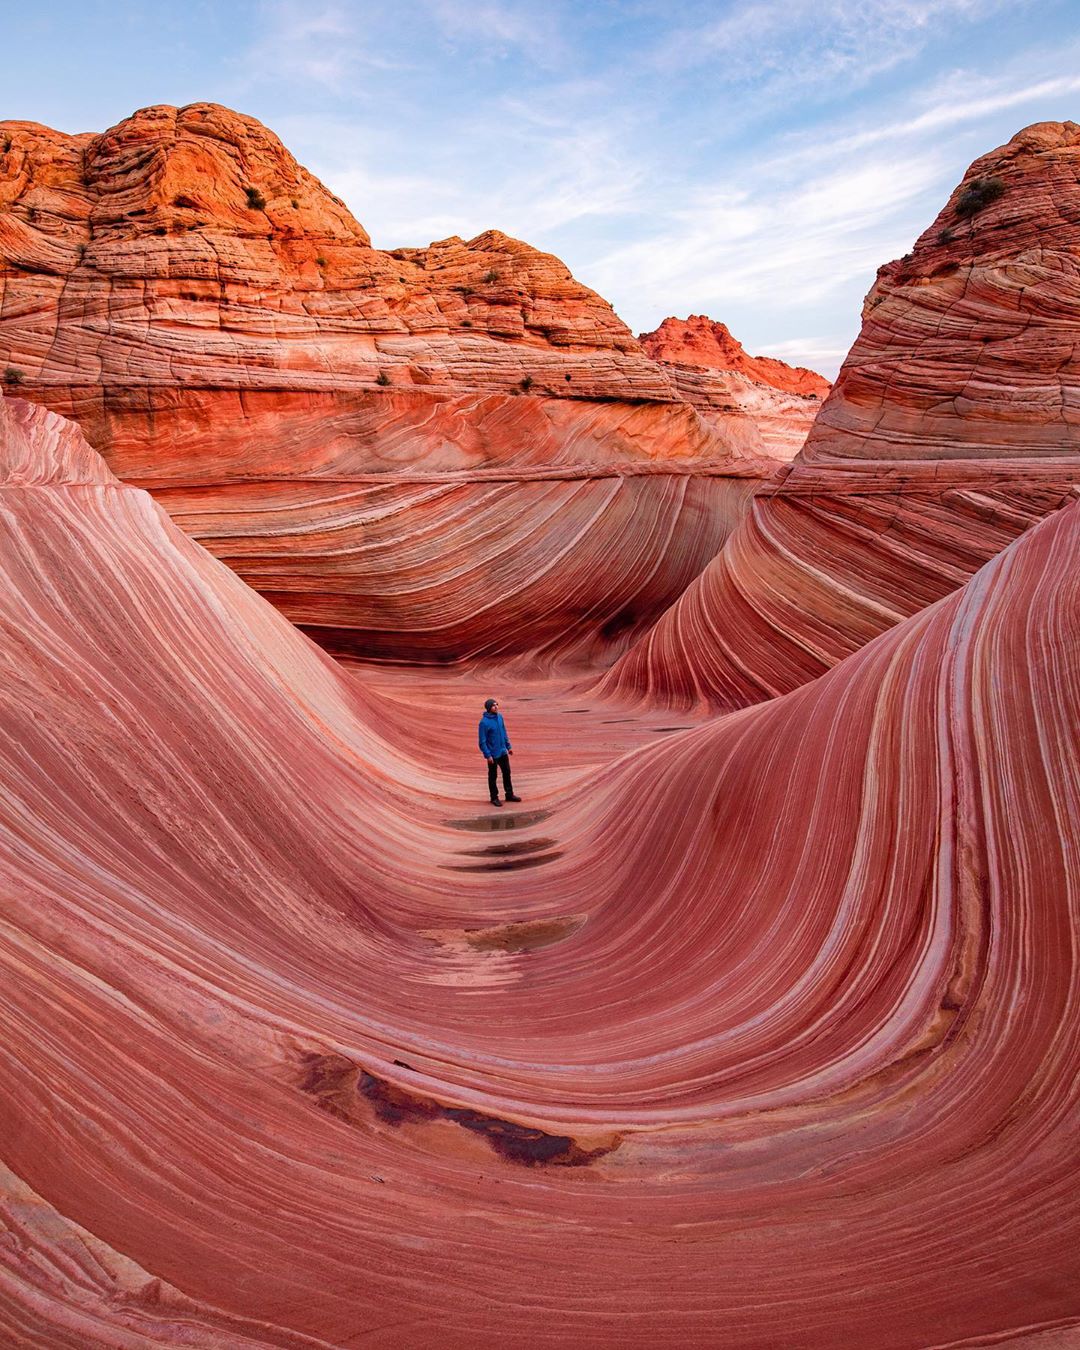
711	370
700	341
953	426
226	335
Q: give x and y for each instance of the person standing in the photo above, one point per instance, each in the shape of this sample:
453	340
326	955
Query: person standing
495	747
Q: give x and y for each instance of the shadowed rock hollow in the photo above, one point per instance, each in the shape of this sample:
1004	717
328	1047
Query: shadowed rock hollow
748	1030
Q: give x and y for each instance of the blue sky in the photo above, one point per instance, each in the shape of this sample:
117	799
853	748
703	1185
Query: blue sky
752	161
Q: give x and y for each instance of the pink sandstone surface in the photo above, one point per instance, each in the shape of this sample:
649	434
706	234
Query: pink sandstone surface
783	1049
952	427
712	371
389	445
755	1030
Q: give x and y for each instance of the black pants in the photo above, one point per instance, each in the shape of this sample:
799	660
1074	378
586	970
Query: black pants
503	762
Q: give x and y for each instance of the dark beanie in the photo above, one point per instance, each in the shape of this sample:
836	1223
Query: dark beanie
489	703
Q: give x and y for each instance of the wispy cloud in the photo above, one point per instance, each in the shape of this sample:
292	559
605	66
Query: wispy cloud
546	180
322	45
490	28
980	100
819	353
761	240
811	44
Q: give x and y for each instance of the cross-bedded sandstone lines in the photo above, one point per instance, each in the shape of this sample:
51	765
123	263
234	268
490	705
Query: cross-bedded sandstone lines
449	547
951	428
782	1048
387	444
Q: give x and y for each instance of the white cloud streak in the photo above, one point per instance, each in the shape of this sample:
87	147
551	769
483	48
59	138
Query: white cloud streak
314	44
812	44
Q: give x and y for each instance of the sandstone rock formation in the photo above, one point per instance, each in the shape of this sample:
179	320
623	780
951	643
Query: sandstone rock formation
785	1050
713	372
952	428
392	446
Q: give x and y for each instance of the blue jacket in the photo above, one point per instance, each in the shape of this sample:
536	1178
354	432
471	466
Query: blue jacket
493	738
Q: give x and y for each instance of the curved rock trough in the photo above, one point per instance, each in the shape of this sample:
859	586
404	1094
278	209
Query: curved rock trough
756	1025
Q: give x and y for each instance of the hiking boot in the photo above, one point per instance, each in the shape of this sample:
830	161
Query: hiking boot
513	799
495	801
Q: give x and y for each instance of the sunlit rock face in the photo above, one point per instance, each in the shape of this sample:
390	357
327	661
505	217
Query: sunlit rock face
952	427
777	402
395	447
776	1043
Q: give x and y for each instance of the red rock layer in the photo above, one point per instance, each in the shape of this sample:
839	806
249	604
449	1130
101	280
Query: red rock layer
712	371
952	428
734	1062
219	324
412	529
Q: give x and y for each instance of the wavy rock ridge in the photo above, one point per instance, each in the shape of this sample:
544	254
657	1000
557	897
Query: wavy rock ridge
951	428
695	1079
319	412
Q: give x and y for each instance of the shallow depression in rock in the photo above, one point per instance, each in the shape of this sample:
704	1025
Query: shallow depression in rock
500	820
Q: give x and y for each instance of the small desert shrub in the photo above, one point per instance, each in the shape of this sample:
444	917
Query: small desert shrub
320	261
294	204
978	194
946	236
382	378
526	384
13	375
255	200
491	277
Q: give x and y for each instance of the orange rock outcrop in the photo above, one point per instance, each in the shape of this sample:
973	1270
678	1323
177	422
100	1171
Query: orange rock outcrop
951	428
393	446
764	1032
702	342
712	371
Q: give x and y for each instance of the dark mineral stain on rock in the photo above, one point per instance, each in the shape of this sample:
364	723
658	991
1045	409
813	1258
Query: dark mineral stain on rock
329	1079
517	1143
505	864
394	1105
511	847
